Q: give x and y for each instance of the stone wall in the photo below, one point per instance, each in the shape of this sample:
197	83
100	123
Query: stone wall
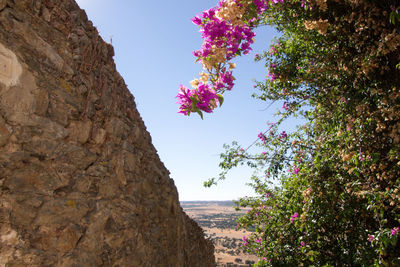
80	181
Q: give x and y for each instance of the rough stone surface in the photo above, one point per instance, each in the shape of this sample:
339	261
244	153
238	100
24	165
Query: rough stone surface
80	182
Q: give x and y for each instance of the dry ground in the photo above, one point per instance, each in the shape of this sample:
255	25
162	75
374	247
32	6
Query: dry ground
217	221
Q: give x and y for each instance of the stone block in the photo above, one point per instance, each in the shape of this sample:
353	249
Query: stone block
79	131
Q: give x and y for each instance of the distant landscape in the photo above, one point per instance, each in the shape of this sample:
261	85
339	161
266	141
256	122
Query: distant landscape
218	220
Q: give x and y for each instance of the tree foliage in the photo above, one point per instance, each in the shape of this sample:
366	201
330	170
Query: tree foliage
328	193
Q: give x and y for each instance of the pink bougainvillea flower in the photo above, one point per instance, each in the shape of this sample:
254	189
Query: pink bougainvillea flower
184	100
272	76
262	137
207	98
273	51
285	106
395	231
293	217
204	97
244	240
196	20
225	81
283	135
296	169
224	39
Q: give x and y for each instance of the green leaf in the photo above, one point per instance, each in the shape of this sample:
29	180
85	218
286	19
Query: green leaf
220	99
200	113
393	17
209	183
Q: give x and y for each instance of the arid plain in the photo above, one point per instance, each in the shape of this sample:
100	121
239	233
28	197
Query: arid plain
218	220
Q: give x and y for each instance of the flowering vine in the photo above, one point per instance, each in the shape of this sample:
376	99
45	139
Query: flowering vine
228	31
328	191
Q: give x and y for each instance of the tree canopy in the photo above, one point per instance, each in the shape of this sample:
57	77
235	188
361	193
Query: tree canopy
334	199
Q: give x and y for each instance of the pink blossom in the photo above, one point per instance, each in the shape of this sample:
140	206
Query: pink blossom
370	238
225	81
293	217
205	96
283	135
296	169
196	20
184	100
302	244
272	76
285	106
244	240
273	51
395	230
262	137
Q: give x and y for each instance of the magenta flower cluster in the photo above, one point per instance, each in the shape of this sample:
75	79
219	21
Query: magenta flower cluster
274	49
262	137
244	240
262	5
294	217
225	81
285	106
227	30
202	98
283	135
220	33
394	231
296	169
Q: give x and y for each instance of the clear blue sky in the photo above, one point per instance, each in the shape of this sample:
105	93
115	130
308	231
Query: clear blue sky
153	44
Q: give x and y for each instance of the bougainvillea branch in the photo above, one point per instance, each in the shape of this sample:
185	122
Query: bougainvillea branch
327	192
228	31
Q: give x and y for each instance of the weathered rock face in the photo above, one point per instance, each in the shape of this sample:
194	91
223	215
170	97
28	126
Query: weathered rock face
80	182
